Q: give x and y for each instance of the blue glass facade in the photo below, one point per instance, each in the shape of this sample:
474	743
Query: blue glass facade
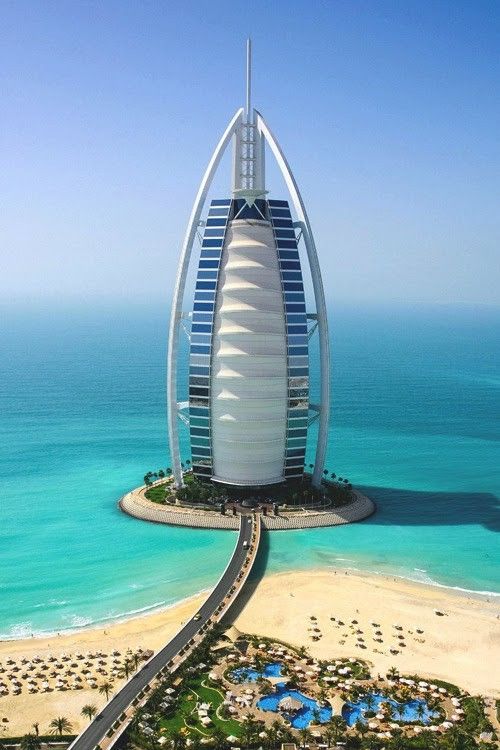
297	339
201	336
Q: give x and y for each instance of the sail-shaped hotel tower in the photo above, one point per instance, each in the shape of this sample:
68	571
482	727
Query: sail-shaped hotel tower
249	408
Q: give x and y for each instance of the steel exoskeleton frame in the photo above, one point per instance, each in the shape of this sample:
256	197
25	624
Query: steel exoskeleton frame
232	132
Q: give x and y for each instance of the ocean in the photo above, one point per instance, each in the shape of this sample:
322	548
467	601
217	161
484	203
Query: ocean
414	423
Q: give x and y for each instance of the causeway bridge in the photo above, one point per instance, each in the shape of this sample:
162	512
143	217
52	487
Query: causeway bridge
116	715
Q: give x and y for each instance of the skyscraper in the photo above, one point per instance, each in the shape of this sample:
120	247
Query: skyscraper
249	408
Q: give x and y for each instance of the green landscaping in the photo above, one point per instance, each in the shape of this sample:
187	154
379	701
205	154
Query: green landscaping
184	715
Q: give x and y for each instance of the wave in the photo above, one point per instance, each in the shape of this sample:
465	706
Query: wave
79	623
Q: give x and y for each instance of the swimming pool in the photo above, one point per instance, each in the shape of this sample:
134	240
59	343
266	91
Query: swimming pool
310	712
246	674
411	711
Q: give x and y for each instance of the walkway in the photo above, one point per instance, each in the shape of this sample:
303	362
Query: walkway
137	505
114	718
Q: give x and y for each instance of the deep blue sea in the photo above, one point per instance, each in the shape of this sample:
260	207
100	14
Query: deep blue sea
415	422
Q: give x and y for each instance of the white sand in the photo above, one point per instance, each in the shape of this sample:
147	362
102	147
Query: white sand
461	646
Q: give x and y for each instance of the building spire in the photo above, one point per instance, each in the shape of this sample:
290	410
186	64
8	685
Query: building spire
249	81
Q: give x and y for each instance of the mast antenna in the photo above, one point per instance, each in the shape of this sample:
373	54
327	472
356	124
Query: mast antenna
249	79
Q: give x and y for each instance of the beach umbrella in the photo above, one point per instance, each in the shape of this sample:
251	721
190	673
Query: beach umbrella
372	725
232	738
455	717
380	716
442	690
422	683
434	729
232	710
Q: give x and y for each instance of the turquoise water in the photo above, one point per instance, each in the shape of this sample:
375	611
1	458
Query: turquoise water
311	710
246	674
410	711
82	405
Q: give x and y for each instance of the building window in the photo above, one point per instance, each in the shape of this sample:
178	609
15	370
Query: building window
199	371
288	254
217	232
290	265
297	433
197	441
209	263
212	243
198	392
199	422
203	338
283	223
201	328
274	202
287	244
201	431
203	306
291	275
275	211
297	340
211	253
202	317
202	470
294	371
296	452
298	351
198	411
199	380
195	451
204	296
286	234
208	274
293	286
216	222
197	349
296	329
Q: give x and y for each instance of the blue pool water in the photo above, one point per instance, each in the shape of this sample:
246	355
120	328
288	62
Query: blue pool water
408	712
82	417
311	711
246	674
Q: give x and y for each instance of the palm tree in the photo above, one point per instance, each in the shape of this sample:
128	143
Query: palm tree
305	736
420	711
89	711
392	672
251	727
105	688
36	728
31	742
370	701
219	738
177	739
361	727
125	669
60	726
337	727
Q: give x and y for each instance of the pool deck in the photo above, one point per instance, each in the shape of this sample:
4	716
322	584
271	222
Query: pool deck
136	504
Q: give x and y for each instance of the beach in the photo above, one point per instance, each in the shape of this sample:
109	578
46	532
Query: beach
458	645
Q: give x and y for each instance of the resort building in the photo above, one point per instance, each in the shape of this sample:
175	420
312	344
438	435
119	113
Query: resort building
249	408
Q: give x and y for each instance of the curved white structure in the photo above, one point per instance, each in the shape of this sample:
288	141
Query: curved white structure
249	360
249	355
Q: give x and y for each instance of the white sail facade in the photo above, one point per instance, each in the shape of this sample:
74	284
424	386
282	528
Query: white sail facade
249	360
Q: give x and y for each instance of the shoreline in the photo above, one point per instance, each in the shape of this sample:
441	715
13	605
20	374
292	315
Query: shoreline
147	611
456	646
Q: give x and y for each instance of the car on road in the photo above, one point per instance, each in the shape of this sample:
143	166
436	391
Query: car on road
197	617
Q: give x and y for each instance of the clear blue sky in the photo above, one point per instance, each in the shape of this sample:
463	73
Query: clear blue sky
387	111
